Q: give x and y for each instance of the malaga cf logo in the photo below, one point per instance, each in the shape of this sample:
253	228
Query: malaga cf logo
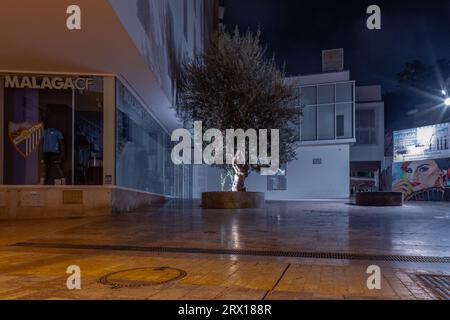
25	137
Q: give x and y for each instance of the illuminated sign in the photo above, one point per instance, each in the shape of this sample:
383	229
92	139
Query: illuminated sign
58	83
431	142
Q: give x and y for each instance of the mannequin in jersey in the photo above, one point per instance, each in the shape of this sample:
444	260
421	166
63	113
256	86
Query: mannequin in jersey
53	154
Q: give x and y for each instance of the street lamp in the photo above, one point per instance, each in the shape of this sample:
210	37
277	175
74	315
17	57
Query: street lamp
446	97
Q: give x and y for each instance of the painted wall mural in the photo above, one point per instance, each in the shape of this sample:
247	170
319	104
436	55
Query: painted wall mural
421	168
424	180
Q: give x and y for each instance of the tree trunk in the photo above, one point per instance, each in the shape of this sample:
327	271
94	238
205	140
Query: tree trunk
241	172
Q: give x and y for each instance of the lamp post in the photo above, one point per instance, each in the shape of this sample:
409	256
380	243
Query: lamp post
446	98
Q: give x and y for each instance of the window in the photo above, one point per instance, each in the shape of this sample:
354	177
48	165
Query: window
143	150
54	130
366	133
309	122
325	94
325	115
327	111
339	125
344	92
88	149
308	96
344	120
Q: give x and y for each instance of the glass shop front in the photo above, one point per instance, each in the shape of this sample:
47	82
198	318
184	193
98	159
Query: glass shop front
52	129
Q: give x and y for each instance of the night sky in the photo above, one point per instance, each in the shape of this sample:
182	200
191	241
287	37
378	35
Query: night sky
297	30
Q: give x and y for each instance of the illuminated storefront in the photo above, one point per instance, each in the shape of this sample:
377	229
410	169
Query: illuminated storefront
52	130
85	134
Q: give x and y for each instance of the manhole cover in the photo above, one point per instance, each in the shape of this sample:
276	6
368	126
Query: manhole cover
142	277
438	283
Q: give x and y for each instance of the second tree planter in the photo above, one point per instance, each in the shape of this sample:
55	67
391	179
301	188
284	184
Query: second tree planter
232	200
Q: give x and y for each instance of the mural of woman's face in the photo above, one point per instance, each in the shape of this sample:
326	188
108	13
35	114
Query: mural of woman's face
424	175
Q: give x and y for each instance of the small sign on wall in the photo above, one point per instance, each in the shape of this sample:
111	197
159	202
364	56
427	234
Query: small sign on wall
31	199
317	161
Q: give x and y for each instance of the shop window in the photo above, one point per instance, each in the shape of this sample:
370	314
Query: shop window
54	130
143	149
88	155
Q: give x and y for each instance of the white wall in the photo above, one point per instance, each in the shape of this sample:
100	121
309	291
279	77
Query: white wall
330	180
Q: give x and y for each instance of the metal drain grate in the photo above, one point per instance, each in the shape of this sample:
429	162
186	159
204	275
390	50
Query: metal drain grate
438	283
293	254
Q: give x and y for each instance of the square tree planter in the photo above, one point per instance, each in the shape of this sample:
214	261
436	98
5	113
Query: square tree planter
379	199
232	200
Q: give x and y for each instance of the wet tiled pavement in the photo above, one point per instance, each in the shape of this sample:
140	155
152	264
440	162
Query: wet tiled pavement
418	229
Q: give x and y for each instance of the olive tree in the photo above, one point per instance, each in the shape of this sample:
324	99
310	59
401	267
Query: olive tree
233	85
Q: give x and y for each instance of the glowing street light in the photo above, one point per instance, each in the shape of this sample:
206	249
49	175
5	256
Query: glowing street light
446	97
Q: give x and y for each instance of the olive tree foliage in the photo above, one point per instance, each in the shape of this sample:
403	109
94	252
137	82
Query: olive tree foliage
232	85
